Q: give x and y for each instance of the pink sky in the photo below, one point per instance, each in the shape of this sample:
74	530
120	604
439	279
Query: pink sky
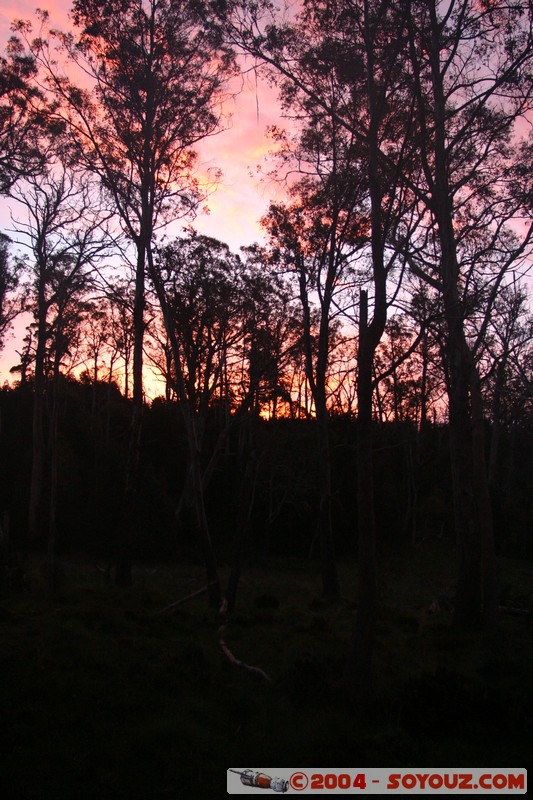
239	200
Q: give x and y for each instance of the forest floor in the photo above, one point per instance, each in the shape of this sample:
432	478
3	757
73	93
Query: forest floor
103	697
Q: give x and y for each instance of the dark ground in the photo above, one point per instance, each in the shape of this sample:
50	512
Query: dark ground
103	698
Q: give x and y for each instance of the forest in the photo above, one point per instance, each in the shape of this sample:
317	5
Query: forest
275	503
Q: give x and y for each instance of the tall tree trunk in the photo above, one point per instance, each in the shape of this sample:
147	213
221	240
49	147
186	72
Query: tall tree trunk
489	579
317	384
35	516
328	563
467	532
54	468
424	383
496	422
248	470
203	535
467	520
468	592
359	665
195	475
359	672
123	574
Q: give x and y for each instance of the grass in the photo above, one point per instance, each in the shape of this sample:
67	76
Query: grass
102	698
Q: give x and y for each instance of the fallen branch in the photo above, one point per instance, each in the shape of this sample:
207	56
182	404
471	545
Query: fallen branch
224	649
184	600
235	661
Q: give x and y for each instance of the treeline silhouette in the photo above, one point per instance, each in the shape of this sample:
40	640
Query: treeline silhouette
412	482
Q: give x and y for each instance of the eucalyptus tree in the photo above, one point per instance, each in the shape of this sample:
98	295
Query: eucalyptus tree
97	335
120	296
22	116
352	53
316	238
472	81
153	74
506	368
197	283
228	327
23	151
433	100
10	306
398	372
61	227
260	368
271	336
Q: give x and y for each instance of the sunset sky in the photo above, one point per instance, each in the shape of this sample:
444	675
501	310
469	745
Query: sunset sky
241	196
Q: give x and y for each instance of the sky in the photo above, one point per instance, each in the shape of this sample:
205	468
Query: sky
241	197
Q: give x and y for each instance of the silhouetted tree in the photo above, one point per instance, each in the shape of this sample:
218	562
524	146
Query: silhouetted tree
271	335
121	299
347	60
22	116
407	373
61	230
270	332
317	236
156	72
471	72
505	367
196	281
10	306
